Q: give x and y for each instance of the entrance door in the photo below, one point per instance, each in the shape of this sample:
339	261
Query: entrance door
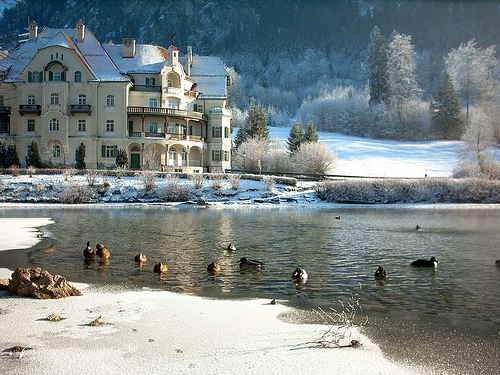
135	161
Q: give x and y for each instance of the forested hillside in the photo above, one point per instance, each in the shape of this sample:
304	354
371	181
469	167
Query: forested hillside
293	56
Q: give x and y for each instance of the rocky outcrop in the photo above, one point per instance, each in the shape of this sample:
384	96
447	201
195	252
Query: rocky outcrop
38	283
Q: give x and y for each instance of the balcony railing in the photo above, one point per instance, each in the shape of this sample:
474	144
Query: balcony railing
32	109
180	137
80	108
158	111
192	94
149	88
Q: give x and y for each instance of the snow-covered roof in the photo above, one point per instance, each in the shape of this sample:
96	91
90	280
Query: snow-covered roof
147	59
89	51
210	75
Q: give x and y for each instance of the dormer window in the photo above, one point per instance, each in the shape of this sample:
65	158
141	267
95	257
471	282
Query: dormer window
57	76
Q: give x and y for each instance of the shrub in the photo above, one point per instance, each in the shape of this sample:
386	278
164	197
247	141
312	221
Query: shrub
68	173
234	180
315	158
148	178
91	176
31	170
217	179
268	182
76	193
198	180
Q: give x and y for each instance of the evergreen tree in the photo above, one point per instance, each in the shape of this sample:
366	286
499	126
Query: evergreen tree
3	154
446	109
295	137
256	122
12	157
310	134
241	136
121	158
33	158
80	156
378	56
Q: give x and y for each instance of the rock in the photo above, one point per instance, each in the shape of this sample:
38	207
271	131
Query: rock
4	284
38	283
54	318
17	349
48	251
95	322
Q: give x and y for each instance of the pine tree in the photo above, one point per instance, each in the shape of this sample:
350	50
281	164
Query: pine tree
256	122
80	156
378	56
33	158
446	109
3	154
295	137
121	158
12	157
241	136
310	134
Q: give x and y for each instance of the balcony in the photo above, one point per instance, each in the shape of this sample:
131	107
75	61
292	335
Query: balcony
171	112
80	108
179	137
191	94
30	109
148	88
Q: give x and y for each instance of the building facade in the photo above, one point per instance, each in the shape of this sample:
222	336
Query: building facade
62	87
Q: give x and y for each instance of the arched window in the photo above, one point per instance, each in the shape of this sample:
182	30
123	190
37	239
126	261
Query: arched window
153	102
82	99
110	101
56	151
30	100
54	124
78	76
54	99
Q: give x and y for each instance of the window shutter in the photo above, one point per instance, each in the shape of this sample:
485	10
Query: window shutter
51	76
63	76
41	77
30	75
213	155
213	132
115	150
103	151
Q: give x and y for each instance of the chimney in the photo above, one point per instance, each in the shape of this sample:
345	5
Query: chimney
128	47
80	31
33	31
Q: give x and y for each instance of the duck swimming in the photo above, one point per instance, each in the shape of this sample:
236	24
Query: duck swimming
381	274
245	263
160	268
300	274
425	263
214	267
231	247
141	258
102	252
88	253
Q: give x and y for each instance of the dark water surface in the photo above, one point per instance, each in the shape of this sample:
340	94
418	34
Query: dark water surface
453	312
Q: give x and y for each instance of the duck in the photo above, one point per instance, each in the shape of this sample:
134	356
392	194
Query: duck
498	263
245	263
425	263
381	274
160	268
214	267
418	229
231	247
300	274
337	217
141	258
88	253
102	252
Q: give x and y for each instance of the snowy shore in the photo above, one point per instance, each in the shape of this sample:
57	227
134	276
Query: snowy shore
158	332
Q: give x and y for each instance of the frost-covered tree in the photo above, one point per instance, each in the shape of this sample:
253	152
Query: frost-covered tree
12	157
446	109
295	137
476	155
121	160
315	158
256	122
403	87
472	71
80	156
310	133
378	57
33	158
250	154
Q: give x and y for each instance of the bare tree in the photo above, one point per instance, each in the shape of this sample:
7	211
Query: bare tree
315	158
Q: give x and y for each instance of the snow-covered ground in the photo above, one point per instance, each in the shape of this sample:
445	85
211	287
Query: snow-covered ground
383	158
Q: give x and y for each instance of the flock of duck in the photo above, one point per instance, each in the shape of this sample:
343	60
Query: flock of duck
298	274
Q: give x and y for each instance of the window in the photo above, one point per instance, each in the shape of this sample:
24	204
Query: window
30	100
150	81
82	99
56	151
54	99
216	132
170	83
57	77
153	102
35	76
171	104
78	76
198	108
82	126
30	125
109	151
110	125
216	155
54	124
226	155
110	101
226	132
171	128
153	127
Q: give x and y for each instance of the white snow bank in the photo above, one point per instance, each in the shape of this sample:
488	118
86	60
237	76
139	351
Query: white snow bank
159	332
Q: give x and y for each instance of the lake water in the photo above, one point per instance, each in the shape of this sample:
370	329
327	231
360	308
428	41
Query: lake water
451	314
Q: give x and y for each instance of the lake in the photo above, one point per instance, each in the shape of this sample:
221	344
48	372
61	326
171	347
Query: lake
444	312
